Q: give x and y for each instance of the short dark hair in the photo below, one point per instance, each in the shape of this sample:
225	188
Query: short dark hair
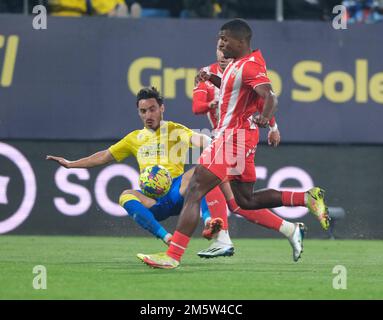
148	93
239	28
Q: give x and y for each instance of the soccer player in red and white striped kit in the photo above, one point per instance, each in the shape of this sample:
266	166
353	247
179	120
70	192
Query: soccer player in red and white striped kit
205	101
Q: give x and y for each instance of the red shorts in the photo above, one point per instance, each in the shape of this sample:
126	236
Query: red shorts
231	156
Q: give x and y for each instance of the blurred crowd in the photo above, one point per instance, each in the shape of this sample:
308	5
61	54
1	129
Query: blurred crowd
358	11
366	11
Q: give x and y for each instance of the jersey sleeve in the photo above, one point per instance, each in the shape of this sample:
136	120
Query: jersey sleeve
200	104
123	148
254	74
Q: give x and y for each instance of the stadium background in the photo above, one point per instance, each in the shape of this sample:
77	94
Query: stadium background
70	90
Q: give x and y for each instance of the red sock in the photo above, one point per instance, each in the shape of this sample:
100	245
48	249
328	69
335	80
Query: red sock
216	203
293	199
178	245
263	217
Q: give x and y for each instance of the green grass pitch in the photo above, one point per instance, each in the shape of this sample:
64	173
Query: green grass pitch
107	268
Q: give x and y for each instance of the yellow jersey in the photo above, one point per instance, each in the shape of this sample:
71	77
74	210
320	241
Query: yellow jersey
167	146
76	8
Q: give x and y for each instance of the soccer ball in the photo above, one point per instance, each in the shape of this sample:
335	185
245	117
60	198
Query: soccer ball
155	181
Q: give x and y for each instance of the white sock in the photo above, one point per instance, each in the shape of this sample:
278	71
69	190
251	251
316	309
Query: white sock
223	236
167	237
306	198
287	228
207	221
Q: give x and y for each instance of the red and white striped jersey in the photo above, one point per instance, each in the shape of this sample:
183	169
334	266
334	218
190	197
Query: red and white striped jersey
237	99
204	93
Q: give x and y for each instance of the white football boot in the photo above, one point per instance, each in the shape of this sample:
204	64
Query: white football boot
217	249
296	240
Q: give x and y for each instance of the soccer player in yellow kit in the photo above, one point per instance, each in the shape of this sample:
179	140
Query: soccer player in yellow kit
159	143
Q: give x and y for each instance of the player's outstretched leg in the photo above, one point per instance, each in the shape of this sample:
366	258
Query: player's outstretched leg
140	214
312	199
294	232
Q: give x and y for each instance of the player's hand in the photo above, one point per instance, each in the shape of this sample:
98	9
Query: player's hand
64	162
261	121
202	75
274	138
213	104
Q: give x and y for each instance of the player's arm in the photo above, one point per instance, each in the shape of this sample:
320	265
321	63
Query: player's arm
96	159
265	91
254	74
200	140
201	103
274	136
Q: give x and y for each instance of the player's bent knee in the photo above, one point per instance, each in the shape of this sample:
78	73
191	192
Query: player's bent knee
126	196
